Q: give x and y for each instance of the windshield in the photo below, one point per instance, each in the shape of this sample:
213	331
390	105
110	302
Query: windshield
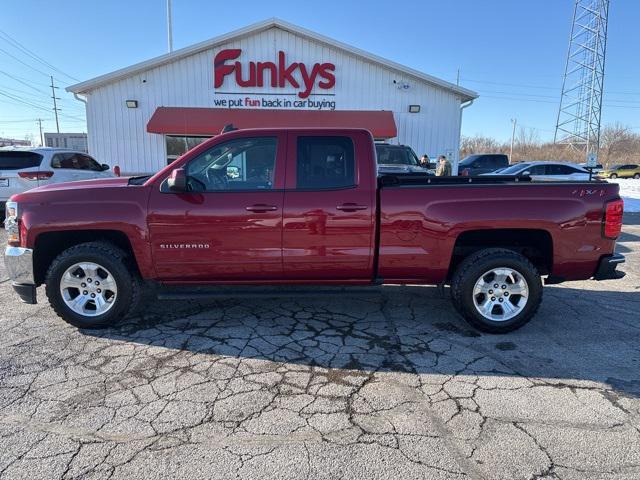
395	155
467	161
514	168
17	160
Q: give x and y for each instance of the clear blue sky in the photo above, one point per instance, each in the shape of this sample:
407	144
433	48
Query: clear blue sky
510	51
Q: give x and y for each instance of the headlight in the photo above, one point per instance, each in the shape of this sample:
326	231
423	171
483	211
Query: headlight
11	223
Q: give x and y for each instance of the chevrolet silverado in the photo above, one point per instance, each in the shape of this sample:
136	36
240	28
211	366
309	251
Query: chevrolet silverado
305	207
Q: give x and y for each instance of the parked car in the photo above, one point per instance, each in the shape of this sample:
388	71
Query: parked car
323	218
24	168
397	159
546	171
621	171
482	163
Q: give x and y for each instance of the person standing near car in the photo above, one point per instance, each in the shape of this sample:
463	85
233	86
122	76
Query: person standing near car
444	167
424	161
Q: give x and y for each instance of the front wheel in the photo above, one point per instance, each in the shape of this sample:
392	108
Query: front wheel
613	176
91	285
496	290
637	176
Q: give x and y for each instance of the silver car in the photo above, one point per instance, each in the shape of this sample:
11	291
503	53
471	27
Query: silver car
546	171
22	169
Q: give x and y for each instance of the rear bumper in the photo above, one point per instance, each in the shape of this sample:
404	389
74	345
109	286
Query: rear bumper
607	267
19	263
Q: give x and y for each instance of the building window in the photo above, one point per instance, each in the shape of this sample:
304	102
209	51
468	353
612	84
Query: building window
177	146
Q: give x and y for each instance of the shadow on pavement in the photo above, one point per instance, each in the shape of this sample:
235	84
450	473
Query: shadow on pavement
577	335
631	218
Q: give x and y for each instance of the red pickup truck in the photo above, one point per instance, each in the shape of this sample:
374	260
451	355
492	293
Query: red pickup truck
307	207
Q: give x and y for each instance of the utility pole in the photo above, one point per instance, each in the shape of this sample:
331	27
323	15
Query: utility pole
514	121
169	27
41	137
55	105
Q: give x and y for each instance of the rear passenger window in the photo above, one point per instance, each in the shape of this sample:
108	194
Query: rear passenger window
325	162
75	161
499	161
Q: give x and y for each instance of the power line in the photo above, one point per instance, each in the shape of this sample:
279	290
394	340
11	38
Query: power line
23	80
33	55
547	87
23	63
18	99
22	92
72	104
39	107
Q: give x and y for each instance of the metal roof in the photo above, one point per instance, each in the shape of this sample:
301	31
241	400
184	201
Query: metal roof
88	85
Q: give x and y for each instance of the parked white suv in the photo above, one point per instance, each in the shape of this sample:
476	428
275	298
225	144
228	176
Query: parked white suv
22	169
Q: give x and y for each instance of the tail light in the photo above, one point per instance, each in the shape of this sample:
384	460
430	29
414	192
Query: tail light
465	172
35	175
12	224
613	218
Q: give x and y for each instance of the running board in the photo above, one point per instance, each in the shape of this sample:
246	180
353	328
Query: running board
199	293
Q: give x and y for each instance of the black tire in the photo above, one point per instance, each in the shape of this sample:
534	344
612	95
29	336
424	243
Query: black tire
637	176
613	176
119	265
473	267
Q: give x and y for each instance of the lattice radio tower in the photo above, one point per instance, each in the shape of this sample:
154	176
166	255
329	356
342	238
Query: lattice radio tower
578	122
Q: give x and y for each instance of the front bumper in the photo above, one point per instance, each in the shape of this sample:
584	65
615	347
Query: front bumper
19	263
607	267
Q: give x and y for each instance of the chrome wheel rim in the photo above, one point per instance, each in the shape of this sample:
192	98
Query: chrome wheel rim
500	294
88	289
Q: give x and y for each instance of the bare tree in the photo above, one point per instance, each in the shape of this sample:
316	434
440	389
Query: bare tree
616	143
478	144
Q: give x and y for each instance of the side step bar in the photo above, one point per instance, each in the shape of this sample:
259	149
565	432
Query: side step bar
219	292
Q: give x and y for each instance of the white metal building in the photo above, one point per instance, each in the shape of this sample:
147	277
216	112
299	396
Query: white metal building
139	117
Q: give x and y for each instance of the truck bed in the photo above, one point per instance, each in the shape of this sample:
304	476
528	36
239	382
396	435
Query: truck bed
425	220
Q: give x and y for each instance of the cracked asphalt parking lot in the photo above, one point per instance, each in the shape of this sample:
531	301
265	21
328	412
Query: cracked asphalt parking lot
394	386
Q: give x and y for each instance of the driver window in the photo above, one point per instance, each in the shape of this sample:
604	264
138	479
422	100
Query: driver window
242	164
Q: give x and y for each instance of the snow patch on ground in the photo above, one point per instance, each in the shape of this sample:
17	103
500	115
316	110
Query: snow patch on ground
630	192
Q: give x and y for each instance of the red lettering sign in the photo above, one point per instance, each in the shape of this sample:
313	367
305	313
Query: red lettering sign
278	75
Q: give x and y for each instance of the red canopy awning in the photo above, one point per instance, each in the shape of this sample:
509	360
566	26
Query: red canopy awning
210	121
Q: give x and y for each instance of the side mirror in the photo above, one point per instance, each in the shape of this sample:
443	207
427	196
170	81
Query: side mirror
105	167
177	181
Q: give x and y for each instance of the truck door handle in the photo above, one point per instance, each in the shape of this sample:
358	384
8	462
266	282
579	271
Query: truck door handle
261	208
351	207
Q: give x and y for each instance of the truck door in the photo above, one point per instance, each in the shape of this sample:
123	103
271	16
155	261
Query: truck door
229	227
329	207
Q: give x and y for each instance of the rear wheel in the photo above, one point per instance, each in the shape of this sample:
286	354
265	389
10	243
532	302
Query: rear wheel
496	290
613	176
91	285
